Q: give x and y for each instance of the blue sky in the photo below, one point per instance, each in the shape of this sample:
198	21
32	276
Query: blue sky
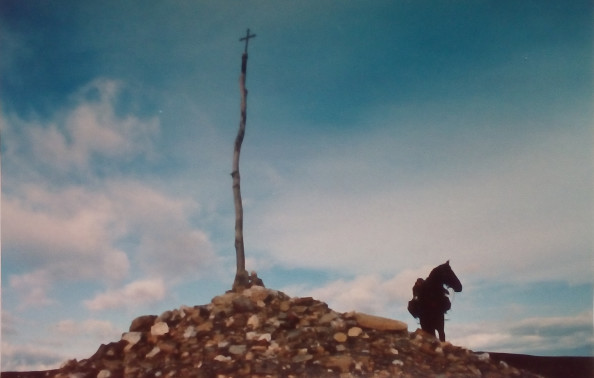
382	139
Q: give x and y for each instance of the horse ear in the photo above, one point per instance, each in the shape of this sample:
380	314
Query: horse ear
448	262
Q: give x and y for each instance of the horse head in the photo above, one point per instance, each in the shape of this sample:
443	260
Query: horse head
448	277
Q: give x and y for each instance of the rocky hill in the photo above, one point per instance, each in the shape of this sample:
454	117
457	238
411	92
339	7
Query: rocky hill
265	333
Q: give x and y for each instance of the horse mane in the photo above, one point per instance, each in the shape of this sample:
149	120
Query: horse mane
436	274
439	276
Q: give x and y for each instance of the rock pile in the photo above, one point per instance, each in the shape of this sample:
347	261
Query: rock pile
265	333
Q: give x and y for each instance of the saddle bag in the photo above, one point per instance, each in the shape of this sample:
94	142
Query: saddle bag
414	307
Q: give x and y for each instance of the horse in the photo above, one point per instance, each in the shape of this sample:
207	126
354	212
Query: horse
430	298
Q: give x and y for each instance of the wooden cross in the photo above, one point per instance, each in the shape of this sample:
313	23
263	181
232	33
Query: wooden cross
247	39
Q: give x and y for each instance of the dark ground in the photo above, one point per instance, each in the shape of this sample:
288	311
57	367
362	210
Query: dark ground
551	367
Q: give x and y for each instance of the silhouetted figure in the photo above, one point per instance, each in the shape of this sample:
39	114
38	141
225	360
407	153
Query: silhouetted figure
430	298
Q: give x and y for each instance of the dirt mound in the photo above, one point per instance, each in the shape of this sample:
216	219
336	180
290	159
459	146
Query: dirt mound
265	333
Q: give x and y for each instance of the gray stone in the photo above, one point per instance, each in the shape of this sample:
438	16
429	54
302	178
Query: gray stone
237	349
132	338
243	304
302	357
159	329
354	332
153	352
142	323
379	323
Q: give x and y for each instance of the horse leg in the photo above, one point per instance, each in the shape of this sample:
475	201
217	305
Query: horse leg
440	328
427	324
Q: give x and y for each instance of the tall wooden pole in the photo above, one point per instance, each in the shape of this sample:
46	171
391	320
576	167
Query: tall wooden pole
241	275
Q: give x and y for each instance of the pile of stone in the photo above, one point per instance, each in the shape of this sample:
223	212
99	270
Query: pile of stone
265	333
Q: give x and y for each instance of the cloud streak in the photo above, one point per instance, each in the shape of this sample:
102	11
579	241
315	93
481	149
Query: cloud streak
85	227
133	294
50	345
520	207
537	335
91	131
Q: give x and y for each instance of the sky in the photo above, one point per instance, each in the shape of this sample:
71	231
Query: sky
383	138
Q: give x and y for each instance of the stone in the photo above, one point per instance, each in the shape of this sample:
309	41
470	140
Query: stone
229	321
167	346
341	337
285	306
132	337
354	332
302	358
224	300
328	317
165	316
379	323
237	349
257	293
153	352
205	327
222	358
256	281
272	348
342	363
243	304
299	309
253	322
338	324
159	329
104	374
184	310
142	323
189	332
305	301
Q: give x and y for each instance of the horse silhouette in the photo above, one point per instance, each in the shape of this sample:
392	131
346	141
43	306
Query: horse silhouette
430	298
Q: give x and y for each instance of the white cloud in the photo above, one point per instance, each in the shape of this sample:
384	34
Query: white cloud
132	295
91	129
371	293
88	328
61	236
175	253
520	213
64	221
30	357
47	347
52	229
74	233
32	288
538	335
554	326
168	245
9	323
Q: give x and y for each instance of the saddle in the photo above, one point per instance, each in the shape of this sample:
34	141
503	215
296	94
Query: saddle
414	305
421	303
